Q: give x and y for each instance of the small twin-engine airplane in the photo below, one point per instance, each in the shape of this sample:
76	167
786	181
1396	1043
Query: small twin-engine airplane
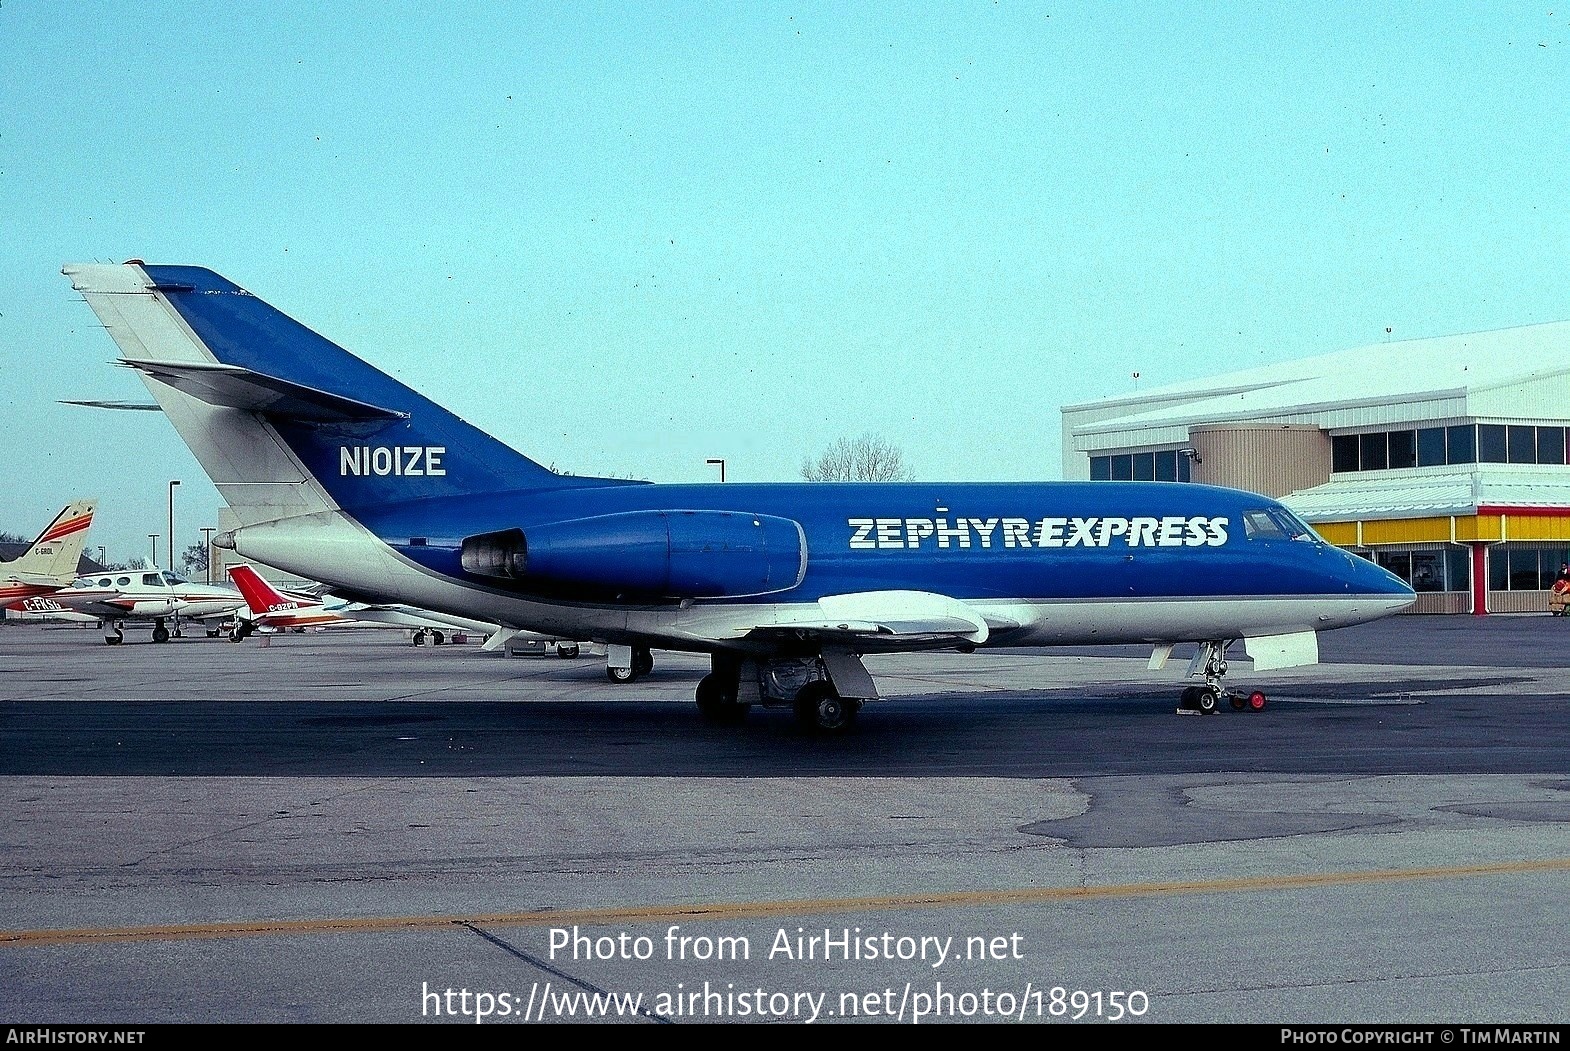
269	608
116	596
338	472
50	561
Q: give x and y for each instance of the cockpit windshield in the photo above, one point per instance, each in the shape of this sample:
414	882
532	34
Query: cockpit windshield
172	578
1276	523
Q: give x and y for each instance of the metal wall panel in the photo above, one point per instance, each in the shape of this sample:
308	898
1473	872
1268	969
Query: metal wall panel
1273	460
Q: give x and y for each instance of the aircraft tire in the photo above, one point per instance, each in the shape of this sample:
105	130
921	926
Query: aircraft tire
113	640
160	633
642	661
820	709
566	650
1207	700
620	676
437	638
1257	701
1239	702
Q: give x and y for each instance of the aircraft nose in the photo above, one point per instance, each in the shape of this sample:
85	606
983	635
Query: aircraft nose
1364	577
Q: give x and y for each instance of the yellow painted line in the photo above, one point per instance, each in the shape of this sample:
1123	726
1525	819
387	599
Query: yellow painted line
748	910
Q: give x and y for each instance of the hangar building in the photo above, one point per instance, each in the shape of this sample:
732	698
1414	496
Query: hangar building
1444	460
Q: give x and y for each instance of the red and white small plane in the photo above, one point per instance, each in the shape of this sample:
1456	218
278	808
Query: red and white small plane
50	562
271	609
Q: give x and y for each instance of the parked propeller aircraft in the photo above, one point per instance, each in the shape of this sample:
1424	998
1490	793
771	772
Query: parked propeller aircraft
50	561
269	608
340	473
116	596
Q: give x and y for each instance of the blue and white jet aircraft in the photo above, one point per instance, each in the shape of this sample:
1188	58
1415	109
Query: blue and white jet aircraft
339	473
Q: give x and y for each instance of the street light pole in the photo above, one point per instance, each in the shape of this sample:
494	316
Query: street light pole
172	483
207	538
721	464
153	537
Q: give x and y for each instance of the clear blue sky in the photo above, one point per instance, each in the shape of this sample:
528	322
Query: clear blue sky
625	239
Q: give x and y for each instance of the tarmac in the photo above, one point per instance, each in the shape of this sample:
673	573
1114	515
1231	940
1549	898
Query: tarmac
341	827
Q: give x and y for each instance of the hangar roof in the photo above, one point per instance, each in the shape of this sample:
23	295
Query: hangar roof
1383	373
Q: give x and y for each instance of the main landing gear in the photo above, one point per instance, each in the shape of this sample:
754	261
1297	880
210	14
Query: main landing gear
161	633
1207	699
642	663
804	684
820	709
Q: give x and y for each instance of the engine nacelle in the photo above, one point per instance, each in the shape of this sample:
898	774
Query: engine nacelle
669	554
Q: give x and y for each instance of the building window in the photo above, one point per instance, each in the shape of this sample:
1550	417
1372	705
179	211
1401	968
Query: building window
1372	452
1491	446
1550	445
1160	465
1498	570
1458	569
1461	443
1397	562
1431	447
1521	443
1343	453
1428	569
1525	567
1403	449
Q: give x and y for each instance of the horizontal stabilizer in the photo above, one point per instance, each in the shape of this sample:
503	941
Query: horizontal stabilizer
133	406
1293	650
41	580
242	388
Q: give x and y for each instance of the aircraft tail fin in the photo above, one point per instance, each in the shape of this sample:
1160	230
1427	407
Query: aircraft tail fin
52	558
260	596
283	420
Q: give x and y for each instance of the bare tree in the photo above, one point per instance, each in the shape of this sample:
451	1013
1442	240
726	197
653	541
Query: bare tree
194	559
870	458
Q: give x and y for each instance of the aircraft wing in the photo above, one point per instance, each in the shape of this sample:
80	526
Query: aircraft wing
42	607
408	617
217	614
103	606
889	620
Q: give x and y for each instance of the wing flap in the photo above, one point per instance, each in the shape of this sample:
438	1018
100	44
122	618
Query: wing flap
888	620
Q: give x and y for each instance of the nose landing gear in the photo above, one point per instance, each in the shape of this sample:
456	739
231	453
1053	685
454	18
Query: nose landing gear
1207	699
